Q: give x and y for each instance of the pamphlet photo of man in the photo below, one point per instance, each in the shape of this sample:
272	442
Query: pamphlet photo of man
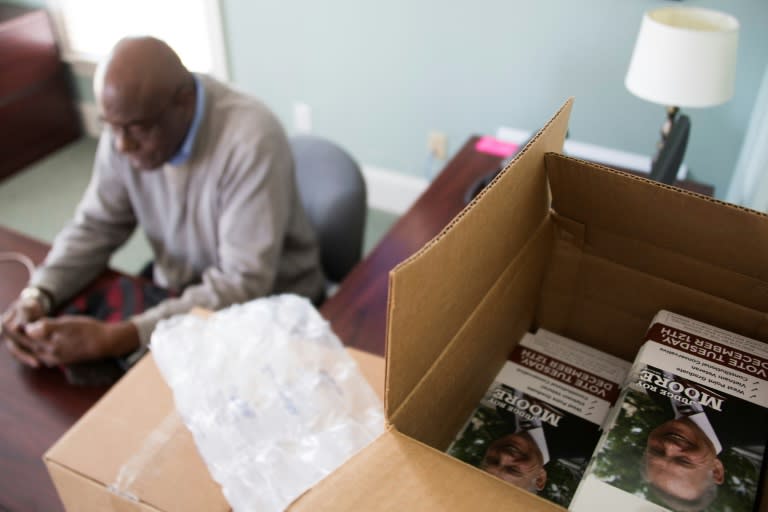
516	458
544	452
680	453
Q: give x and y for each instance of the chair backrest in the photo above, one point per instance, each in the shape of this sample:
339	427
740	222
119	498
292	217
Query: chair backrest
669	158
333	193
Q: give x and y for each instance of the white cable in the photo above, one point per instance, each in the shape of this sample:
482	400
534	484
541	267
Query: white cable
17	257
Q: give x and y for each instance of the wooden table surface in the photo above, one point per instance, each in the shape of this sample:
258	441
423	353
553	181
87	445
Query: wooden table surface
36	406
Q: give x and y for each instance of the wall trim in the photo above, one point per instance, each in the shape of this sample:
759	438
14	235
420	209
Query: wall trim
392	191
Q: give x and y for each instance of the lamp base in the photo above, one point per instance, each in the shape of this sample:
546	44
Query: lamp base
666	128
671	148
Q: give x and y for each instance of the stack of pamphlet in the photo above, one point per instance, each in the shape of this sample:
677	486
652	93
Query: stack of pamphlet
690	428
538	424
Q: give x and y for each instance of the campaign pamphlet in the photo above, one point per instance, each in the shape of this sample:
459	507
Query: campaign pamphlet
539	422
690	428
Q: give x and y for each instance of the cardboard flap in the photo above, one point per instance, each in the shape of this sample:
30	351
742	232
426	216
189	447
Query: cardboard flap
397	473
448	393
433	293
692	225
139	446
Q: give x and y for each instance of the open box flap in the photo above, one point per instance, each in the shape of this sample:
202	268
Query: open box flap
78	493
397	473
642	246
660	215
133	443
433	293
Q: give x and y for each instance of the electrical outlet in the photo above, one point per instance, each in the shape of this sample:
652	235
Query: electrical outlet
302	117
437	144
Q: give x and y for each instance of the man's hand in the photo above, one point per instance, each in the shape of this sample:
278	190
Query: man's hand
15	319
69	339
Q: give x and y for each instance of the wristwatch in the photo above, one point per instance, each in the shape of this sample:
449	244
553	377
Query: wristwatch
38	295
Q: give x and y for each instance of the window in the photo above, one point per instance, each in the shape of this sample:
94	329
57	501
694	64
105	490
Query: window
89	28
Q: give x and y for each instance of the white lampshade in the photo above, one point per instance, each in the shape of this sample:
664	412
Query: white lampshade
684	57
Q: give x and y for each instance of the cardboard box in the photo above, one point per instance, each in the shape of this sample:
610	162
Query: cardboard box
553	242
131	451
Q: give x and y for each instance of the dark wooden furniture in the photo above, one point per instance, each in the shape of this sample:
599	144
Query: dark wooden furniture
37	407
37	110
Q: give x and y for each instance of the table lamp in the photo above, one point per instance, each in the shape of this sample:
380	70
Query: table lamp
683	57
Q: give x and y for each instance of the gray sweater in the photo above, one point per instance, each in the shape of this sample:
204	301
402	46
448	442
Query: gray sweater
226	226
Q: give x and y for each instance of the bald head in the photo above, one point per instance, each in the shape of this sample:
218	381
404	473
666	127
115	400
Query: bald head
140	66
147	96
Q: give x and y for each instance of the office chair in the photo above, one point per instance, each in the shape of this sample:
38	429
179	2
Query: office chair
670	156
333	193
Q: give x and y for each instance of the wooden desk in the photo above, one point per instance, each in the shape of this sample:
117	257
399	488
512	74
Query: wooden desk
36	406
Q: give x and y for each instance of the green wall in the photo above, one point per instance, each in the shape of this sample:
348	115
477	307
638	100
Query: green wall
380	75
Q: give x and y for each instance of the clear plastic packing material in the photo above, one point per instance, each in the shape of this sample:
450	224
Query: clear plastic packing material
271	397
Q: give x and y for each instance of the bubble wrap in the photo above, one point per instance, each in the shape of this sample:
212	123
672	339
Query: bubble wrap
271	397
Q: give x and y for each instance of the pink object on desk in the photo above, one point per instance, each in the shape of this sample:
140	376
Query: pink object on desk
496	147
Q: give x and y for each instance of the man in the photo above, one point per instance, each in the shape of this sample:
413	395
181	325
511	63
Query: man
207	173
